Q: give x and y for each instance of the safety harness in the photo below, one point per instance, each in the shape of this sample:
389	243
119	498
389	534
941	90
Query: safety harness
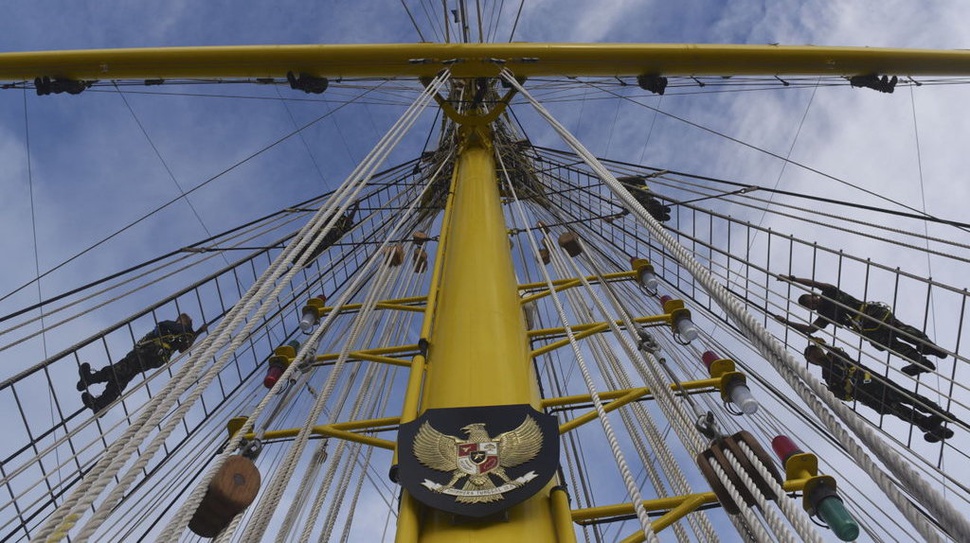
870	317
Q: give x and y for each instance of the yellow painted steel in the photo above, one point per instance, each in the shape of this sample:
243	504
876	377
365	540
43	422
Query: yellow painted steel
653	320
439	260
339	430
621	398
562	284
397	303
576	337
612	406
479	60
408	519
478	353
562	516
411	511
700	384
376	355
658	504
689	504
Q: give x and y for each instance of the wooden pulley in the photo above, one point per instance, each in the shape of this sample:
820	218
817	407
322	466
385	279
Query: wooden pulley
230	491
544	255
394	255
420	261
716	455
419	237
569	241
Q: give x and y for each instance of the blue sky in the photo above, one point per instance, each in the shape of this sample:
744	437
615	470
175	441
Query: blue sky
98	163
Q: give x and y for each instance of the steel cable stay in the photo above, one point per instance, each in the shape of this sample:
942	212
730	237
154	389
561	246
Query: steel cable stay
262	522
225	270
713	246
143	281
774	155
679	181
366	319
217	414
183	195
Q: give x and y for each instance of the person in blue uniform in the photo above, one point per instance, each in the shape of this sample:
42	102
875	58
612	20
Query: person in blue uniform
152	351
850	380
872	320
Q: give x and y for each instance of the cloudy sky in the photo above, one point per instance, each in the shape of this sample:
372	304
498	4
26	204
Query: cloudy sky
78	169
95	170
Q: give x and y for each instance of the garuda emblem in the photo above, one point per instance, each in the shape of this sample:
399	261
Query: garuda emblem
461	464
478	458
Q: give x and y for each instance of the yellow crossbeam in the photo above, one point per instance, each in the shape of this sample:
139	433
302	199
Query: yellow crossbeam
374	355
340	430
479	60
401	304
653	320
620	398
562	284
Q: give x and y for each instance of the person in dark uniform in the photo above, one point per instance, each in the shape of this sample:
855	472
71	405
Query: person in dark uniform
850	380
637	186
152	351
872	320
343	225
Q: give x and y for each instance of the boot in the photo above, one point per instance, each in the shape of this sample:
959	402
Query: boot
94	404
938	434
84	372
915	369
930	349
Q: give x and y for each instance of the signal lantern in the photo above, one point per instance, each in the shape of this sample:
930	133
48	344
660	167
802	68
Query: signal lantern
282	358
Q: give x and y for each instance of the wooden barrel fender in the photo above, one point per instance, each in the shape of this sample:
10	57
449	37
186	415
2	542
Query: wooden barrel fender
230	491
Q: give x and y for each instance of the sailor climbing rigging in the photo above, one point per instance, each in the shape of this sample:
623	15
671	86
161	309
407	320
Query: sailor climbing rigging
343	225
850	380
872	320
152	351
637	186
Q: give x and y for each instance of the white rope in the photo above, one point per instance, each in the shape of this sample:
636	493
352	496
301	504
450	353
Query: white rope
300	498
780	529
177	388
380	406
259	523
632	489
752	521
952	520
700	523
261	519
796	515
104	470
367	397
364	318
69	511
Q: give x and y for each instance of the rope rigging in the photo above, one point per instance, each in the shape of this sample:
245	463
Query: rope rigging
568	191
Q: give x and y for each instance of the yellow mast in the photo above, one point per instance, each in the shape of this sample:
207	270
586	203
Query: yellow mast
478	351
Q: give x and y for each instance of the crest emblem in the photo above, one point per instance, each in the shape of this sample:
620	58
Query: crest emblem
477	461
